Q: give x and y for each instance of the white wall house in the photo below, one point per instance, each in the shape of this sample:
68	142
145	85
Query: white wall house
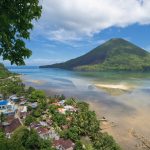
7	107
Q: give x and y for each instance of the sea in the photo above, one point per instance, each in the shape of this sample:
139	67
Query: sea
129	110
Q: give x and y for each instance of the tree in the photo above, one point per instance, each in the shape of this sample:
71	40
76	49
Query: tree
37	95
16	21
29	120
3	141
2	118
25	139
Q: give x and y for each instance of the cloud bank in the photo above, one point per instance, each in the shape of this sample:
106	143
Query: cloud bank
71	20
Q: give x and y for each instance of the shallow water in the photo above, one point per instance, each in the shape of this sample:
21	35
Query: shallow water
130	111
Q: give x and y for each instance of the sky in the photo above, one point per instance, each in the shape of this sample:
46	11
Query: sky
70	28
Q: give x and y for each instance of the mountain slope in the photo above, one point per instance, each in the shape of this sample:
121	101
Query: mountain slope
115	54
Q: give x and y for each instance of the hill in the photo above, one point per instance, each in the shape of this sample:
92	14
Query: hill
4	73
115	54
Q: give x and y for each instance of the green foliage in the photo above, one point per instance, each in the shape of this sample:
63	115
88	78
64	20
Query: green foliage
104	142
72	133
59	119
85	123
3	142
4	73
24	139
16	22
122	62
37	95
37	113
53	109
30	90
70	101
29	119
12	86
79	146
2	117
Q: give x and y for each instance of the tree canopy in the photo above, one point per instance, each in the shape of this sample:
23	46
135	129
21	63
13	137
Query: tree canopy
16	22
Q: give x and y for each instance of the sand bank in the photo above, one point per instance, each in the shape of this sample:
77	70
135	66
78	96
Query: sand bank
114	86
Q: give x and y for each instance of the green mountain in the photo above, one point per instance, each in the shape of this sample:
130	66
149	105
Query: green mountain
4	73
115	54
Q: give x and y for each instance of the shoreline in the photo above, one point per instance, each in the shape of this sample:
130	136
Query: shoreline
129	136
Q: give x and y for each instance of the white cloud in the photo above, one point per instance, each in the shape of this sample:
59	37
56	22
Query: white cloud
40	61
64	20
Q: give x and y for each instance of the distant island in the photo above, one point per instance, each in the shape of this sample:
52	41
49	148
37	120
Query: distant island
114	55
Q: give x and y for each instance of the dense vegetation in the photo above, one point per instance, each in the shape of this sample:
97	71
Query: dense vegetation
115	54
4	73
123	62
24	139
16	22
80	125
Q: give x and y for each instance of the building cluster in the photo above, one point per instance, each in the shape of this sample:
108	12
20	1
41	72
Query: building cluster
14	111
64	108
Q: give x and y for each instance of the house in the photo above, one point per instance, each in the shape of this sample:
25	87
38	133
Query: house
9	129
22	112
22	103
23	108
63	144
23	115
22	98
56	104
34	125
43	123
8	119
14	98
7	107
53	134
62	110
34	105
62	102
44	132
70	108
49	122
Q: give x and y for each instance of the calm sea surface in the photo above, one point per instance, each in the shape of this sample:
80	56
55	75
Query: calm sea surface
130	111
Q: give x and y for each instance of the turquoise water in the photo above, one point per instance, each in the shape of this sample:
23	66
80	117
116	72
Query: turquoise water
58	78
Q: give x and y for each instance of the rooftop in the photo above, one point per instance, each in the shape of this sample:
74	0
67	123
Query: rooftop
13	126
64	143
3	102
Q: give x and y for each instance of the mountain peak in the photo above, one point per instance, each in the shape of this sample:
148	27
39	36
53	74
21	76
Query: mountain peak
117	40
115	53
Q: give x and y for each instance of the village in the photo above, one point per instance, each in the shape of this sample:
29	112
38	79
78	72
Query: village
54	122
14	113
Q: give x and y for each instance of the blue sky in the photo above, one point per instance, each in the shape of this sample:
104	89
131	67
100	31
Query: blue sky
49	51
70	28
